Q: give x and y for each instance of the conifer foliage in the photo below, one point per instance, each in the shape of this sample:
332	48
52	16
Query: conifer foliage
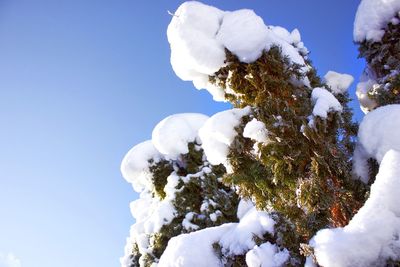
278	180
383	59
302	159
178	194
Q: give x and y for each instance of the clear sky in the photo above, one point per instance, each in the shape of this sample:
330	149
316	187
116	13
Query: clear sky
81	82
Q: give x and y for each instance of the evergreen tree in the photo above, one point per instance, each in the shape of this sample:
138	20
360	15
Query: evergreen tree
182	194
383	65
287	146
302	172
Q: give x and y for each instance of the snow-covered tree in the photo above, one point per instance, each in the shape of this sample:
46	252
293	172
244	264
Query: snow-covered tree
272	181
377	32
180	191
371	238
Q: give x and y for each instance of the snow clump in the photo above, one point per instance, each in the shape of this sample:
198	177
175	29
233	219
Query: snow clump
377	134
324	101
172	134
372	18
233	238
135	165
365	87
266	255
338	82
256	130
170	139
199	34
371	237
218	133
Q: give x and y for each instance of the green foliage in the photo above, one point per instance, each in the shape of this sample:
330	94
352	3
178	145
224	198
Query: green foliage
198	192
135	256
303	171
160	171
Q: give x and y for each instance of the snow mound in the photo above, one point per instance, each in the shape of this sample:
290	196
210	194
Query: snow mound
378	133
199	34
338	82
364	86
372	18
170	139
218	133
234	238
135	165
371	237
150	214
266	255
243	33
194	249
244	206
256	130
172	135
324	101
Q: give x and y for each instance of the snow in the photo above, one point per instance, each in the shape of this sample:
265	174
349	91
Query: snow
266	255
377	134
244	206
292	38
218	133
364	86
196	248
243	33
324	101
239	239
198	35
338	82
170	139
195	53
150	215
172	135
186	223
371	237
256	130
372	18
135	165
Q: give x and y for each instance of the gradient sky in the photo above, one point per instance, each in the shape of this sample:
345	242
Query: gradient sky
81	82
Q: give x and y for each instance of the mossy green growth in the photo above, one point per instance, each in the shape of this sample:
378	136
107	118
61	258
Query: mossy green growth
303	171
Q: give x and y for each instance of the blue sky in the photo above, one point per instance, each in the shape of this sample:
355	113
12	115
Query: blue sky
81	82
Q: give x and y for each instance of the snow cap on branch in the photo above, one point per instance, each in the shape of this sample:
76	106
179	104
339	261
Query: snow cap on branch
324	101
172	135
135	165
338	82
199	34
170	139
377	134
218	133
371	237
372	18
233	238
